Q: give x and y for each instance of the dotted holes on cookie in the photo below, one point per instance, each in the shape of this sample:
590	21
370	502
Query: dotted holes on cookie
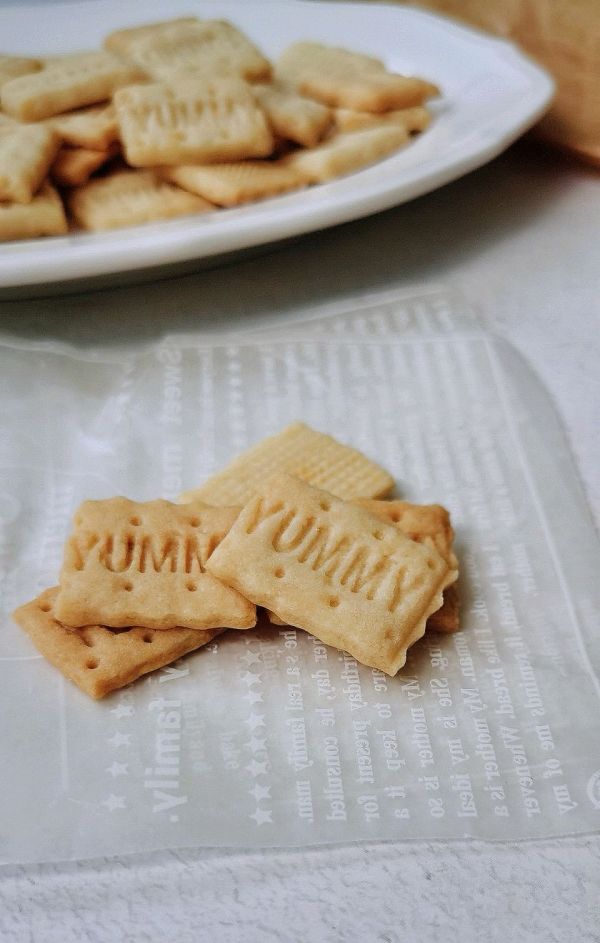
91	663
190	586
127	587
378	534
147	637
324	505
45	607
194	522
279	572
334	601
135	521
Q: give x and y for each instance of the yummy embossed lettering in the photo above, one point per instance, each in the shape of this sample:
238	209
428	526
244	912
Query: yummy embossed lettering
143	553
317	543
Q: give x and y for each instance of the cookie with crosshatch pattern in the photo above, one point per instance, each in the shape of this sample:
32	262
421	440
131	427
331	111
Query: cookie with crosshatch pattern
314	456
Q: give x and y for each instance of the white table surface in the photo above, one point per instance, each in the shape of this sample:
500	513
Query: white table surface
520	240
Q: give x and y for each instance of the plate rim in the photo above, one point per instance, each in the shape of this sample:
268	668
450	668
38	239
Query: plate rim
29	263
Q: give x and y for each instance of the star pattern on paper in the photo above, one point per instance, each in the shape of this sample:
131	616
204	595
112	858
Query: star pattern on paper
260	792
114	802
123	710
253	697
250	658
255	720
256	769
117	769
120	739
262	816
256	744
250	678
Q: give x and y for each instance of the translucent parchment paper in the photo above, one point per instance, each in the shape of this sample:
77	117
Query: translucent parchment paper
268	737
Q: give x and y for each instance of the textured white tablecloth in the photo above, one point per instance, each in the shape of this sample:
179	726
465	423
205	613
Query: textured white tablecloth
520	240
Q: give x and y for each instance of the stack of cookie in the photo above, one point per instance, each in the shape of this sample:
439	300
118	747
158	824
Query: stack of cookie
295	525
187	116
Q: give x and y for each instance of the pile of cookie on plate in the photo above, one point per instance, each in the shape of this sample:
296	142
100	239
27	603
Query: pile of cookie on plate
184	117
295	525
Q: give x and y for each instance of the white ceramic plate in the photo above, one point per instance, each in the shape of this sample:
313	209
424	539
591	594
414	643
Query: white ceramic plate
491	94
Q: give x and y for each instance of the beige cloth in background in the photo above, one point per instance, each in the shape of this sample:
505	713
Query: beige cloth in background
564	37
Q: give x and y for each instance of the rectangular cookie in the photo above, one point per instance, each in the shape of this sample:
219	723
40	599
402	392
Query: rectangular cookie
95	128
97	659
26	153
291	116
209	47
413	119
121	41
344	79
194	121
306	57
303	452
127	564
333	569
345	153
129	198
72	82
44	216
427	524
447	619
235	183
11	67
73	166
